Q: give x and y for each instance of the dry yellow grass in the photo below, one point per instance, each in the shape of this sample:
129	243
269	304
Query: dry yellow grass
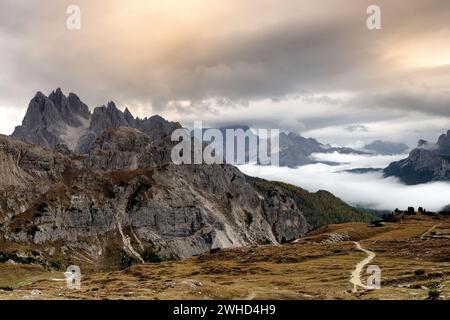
312	268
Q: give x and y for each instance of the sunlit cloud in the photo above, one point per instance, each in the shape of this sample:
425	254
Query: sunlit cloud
307	67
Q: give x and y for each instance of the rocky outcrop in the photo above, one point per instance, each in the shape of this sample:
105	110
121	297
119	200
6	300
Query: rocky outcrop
121	199
58	119
53	120
282	213
104	118
101	190
107	117
428	162
127	148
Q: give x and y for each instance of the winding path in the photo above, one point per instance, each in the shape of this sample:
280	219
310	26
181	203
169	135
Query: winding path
356	274
426	233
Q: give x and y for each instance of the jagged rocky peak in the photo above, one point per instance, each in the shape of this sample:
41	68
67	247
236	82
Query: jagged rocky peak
428	162
444	140
109	116
125	198
156	127
105	117
59	119
128	116
71	107
53	120
41	112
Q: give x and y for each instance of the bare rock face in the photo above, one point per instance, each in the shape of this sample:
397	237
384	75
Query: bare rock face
125	198
53	120
428	162
156	127
71	108
100	190
104	118
107	117
117	149
58	119
128	148
282	214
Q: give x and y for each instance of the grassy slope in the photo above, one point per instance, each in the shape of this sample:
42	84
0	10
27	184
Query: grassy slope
308	269
320	208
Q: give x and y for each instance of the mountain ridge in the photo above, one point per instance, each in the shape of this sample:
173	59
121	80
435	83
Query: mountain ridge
124	200
427	163
136	204
58	119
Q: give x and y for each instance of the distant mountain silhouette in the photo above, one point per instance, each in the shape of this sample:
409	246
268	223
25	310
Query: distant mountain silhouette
428	162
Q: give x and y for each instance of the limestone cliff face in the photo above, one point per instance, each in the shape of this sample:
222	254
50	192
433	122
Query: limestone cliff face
125	197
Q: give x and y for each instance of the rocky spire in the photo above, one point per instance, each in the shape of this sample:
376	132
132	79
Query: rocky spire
70	109
129	117
59	119
48	119
444	141
78	106
107	117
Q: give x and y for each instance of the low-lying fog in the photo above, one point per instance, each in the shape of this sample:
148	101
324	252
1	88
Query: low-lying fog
369	190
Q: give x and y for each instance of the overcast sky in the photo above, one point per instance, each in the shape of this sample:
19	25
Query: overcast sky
310	67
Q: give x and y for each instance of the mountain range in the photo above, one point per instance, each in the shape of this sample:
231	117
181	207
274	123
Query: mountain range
99	190
294	150
58	119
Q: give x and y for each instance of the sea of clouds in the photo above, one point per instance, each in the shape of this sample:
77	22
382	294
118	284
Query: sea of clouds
368	190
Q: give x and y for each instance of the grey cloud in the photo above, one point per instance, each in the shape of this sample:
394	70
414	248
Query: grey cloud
296	53
357	127
426	101
270	62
